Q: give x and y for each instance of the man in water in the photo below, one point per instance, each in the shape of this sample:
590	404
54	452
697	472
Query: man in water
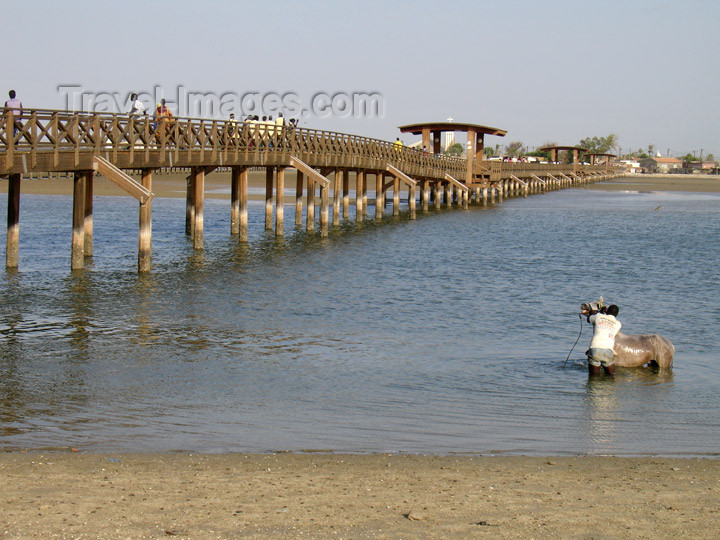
605	328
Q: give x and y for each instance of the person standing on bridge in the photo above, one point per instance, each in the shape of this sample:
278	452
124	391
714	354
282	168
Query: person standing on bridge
136	108
398	144
162	111
605	328
16	106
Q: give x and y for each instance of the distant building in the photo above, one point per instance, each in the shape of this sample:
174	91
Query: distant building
705	167
631	166
661	165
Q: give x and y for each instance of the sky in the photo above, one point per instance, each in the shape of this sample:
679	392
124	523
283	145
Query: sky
544	71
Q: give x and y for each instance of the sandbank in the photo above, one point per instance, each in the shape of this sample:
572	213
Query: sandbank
289	495
217	184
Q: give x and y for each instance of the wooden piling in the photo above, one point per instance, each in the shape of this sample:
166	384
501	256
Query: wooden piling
243	205
88	217
324	208
77	253
396	196
346	194
145	226
235	200
299	180
12	246
310	217
269	173
337	180
364	195
199	200
359	189
280	202
190	204
379	199
438	196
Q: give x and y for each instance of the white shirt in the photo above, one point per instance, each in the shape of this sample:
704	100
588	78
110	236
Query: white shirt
605	328
137	107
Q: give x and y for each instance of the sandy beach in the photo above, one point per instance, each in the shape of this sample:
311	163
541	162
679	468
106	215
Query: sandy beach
61	495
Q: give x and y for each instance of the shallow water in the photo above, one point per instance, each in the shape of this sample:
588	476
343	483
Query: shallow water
444	334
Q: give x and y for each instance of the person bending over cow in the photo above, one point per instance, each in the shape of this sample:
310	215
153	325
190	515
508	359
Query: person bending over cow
605	328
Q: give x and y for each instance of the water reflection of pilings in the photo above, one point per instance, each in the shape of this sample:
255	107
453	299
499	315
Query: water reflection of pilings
80	297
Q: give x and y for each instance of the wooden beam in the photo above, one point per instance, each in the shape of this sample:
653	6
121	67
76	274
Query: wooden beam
269	174
456	182
115	175
280	202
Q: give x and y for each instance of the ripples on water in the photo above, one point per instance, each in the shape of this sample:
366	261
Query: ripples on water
444	334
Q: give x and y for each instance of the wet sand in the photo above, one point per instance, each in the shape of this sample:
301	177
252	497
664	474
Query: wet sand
217	184
351	496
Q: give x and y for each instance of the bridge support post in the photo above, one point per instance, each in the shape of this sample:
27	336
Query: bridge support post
310	216
12	244
298	198
337	179
484	196
379	196
269	172
77	253
235	200
364	195
438	196
359	189
243	196
145	226
199	204
190	205
411	201
280	202
88	217
493	191
324	208
424	194
396	196
346	194
500	191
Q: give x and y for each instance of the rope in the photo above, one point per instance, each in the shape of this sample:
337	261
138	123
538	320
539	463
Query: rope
576	341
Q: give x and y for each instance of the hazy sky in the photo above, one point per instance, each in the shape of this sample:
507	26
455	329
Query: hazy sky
553	70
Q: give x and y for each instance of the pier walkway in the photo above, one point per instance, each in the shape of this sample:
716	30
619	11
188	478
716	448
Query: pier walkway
113	145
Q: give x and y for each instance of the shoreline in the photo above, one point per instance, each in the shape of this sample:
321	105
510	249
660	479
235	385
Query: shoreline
380	496
217	185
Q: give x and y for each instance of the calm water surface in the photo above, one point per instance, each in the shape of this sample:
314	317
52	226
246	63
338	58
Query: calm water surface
444	334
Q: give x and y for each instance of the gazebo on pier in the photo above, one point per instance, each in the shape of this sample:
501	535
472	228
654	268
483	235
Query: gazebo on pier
432	133
574	149
593	158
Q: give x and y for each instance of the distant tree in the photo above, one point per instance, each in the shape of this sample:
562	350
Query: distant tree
711	157
489	151
515	149
539	154
689	157
455	150
651	150
600	145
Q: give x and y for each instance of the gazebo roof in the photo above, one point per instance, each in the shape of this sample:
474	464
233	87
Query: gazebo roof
578	148
417	129
601	154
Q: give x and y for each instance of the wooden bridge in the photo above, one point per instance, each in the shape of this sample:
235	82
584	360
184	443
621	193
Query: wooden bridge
86	144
